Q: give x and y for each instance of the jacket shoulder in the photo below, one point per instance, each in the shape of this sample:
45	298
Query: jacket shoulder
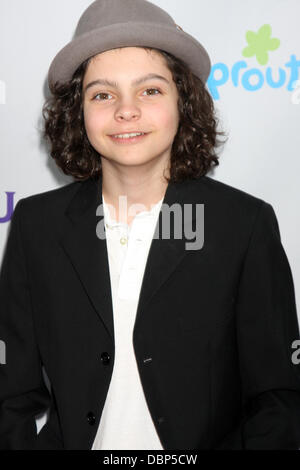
54	194
56	199
230	194
234	206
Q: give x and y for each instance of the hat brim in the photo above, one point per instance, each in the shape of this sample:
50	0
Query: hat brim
167	38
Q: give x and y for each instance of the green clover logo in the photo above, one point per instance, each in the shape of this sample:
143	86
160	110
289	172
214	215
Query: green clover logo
260	43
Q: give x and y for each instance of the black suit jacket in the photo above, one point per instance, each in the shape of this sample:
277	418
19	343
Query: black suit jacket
212	338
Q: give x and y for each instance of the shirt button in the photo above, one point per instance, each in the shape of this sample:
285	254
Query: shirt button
123	240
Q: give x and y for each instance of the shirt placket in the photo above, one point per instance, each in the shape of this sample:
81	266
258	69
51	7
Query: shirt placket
135	258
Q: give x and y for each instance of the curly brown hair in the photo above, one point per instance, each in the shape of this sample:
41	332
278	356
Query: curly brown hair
193	149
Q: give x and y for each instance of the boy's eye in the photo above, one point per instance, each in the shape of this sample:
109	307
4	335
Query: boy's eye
107	94
151	89
99	94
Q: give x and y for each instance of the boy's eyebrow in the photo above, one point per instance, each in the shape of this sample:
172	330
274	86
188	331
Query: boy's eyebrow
105	82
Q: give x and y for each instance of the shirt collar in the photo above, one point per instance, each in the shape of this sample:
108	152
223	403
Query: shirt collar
112	223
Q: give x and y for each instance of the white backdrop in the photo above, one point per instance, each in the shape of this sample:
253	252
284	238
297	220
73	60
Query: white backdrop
261	156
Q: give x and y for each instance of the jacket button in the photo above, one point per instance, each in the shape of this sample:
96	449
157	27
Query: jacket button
161	420
91	418
105	358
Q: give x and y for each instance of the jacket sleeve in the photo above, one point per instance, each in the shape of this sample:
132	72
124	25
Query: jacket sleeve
266	327
23	393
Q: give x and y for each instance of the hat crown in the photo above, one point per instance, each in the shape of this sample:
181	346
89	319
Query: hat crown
111	24
103	13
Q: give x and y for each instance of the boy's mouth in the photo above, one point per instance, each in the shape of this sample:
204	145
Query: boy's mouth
128	138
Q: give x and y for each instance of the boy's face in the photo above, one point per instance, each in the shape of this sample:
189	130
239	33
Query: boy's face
149	107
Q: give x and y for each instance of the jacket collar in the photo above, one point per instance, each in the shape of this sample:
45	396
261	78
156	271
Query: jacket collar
88	253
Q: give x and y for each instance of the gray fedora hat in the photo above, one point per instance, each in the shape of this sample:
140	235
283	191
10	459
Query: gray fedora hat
110	24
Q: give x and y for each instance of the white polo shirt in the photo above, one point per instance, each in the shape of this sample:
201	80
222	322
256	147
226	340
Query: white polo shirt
126	422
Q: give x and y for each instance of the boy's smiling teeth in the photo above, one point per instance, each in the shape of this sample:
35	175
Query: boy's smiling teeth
126	136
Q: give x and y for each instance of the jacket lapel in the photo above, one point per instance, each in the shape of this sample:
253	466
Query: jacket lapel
88	253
